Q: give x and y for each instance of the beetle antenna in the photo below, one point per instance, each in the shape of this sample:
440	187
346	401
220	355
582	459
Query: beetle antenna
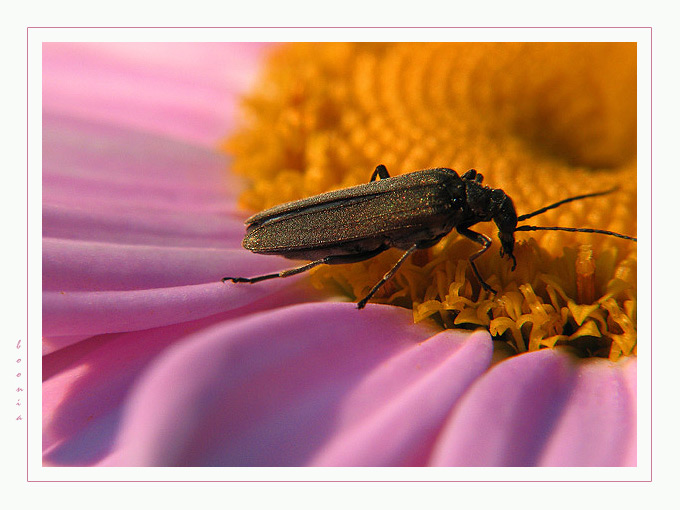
571	229
566	200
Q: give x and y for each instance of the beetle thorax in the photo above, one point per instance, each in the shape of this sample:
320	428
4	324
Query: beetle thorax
487	204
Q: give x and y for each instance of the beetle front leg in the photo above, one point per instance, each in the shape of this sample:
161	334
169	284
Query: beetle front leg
486	243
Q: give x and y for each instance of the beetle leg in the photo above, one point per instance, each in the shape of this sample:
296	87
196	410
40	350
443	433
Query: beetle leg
387	276
380	171
485	242
281	274
331	259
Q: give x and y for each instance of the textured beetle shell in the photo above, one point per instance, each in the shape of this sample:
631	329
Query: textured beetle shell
399	211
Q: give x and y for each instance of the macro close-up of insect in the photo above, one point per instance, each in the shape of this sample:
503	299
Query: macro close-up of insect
409	212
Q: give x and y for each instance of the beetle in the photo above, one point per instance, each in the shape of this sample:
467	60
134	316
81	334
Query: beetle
409	212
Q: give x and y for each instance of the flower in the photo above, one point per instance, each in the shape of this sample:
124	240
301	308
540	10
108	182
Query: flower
150	360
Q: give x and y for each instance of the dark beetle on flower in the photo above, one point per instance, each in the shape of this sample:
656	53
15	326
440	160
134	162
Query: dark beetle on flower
411	211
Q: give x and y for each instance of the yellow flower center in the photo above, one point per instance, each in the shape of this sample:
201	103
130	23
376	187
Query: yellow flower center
541	121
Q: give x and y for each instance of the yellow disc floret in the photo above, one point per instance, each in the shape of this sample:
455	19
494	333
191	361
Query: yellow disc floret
542	121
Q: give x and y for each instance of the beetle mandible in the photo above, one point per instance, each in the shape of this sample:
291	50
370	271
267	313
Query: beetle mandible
410	212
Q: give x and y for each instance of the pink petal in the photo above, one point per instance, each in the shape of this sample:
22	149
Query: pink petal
87	381
542	409
138	228
393	417
597	426
135	227
95	266
92	313
140	234
629	372
177	89
110	184
52	344
311	384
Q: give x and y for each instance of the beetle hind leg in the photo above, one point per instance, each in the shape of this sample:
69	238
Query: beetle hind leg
281	274
331	259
